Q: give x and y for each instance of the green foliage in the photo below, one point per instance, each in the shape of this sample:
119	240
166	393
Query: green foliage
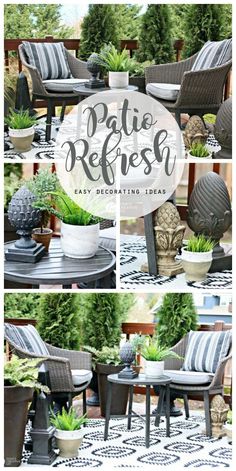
112	60
230	417
34	21
153	351
175	318
155	41
58	320
42	183
204	22
199	244
107	355
67	420
137	69
128	20
198	150
102	315
20	119
178	12
99	27
138	342
23	372
21	305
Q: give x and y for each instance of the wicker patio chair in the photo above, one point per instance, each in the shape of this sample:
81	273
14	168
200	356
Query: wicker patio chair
61	365
200	92
78	70
205	390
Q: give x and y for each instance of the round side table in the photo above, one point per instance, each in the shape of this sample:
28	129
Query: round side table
82	92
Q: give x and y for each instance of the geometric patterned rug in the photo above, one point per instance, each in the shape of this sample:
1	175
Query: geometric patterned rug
187	447
133	254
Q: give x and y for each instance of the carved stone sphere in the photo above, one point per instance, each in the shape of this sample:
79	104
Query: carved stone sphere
195	131
92	65
21	214
223	129
167	216
127	354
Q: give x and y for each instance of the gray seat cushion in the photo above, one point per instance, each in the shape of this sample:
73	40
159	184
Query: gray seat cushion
107	238
164	91
27	338
213	54
80	377
63	85
189	377
50	59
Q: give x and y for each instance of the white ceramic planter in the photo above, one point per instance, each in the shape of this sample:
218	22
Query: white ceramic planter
69	442
153	369
193	157
22	138
79	241
118	79
196	264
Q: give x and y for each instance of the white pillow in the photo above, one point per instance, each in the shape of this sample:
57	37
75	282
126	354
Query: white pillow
164	91
80	377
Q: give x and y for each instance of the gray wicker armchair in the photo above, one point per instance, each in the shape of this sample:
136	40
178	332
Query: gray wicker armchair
201	91
205	390
78	70
60	363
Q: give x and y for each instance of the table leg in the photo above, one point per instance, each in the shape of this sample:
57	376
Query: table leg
66	286
167	410
131	392
147	435
104	282
160	406
108	409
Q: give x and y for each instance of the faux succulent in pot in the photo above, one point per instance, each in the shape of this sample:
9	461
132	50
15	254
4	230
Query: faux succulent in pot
21	129
155	355
197	257
117	64
69	432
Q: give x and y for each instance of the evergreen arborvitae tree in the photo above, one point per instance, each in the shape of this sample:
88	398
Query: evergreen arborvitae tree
99	27
203	22
175	318
21	305
58	320
155	40
128	20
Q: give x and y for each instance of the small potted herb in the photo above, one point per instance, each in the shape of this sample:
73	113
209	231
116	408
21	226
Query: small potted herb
199	151
155	355
105	362
21	129
69	433
20	382
197	257
116	64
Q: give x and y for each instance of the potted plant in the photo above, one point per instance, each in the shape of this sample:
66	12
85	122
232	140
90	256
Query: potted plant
79	228
155	355
20	381
116	64
138	342
228	426
12	181
69	433
42	183
137	74
21	129
199	151
197	257
107	361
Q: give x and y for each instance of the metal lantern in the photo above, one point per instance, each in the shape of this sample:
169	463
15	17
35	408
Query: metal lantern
94	69
127	356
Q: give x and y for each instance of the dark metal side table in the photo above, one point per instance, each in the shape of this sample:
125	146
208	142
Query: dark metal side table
82	92
162	381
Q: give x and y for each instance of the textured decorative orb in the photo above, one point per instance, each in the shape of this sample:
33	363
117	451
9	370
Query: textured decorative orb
127	354
223	129
167	216
21	214
92	65
195	131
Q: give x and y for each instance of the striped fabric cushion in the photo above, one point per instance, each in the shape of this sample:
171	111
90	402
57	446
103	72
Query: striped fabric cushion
213	54
205	350
49	58
27	338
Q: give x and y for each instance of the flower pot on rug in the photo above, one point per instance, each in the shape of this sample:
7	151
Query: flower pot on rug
119	392
118	79
42	236
69	442
153	369
22	138
79	241
196	264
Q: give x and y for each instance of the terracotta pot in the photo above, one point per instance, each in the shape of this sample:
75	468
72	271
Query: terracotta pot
42	237
16	401
196	264
69	442
119	392
22	138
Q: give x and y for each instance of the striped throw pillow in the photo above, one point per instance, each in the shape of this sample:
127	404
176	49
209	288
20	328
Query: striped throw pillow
213	54
27	338
49	58
205	350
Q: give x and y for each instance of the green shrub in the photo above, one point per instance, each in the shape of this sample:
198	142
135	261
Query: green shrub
199	244
107	355
67	420
42	183
23	372
21	305
20	119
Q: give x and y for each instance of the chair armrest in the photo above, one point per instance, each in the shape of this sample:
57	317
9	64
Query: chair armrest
168	73
78	67
37	83
203	87
219	374
180	349
77	359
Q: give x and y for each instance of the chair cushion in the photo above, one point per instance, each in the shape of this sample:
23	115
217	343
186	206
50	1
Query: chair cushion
49	58
27	338
213	54
164	91
107	238
81	376
206	349
189	377
63	85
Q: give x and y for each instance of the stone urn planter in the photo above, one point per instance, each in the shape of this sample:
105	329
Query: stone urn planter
22	138
79	241
118	79
119	392
69	442
153	369
196	264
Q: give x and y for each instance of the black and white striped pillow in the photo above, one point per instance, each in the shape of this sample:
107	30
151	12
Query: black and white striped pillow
49	58
206	349
27	338
213	54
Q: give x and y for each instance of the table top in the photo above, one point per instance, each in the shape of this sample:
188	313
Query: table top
85	91
55	268
141	379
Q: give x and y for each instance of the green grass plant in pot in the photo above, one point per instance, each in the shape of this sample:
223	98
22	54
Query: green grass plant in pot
117	64
197	257
21	129
199	151
69	432
155	356
20	382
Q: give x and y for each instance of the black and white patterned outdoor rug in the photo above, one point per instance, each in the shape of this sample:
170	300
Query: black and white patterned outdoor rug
187	447
133	254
